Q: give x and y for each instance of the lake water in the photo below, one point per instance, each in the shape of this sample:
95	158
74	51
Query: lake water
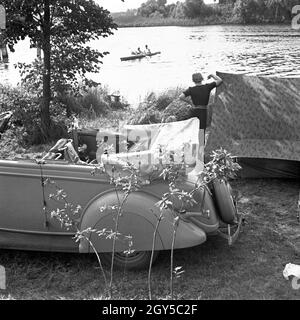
255	50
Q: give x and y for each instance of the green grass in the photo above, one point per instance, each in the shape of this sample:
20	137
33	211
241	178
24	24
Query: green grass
113	120
250	269
94	102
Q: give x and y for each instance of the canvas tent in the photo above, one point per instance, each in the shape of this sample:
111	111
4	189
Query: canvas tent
257	119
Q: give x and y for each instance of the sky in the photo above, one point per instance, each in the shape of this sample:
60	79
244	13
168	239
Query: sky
119	6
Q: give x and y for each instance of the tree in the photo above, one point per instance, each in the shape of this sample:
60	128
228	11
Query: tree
249	11
153	8
276	4
61	28
196	8
226	1
177	11
283	7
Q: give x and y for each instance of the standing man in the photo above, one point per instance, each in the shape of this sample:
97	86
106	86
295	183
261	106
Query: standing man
200	94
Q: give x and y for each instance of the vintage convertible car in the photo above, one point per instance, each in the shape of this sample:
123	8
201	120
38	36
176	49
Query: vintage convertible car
26	206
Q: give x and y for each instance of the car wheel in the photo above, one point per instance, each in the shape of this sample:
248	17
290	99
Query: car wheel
134	261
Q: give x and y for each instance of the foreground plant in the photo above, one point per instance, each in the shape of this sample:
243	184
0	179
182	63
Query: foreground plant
128	184
69	217
173	173
222	166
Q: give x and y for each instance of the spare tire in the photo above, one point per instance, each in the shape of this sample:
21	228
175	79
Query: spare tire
224	201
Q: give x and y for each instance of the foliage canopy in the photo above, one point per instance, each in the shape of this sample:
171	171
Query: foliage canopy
62	29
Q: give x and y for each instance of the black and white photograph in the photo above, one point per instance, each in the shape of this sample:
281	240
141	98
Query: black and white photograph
149	153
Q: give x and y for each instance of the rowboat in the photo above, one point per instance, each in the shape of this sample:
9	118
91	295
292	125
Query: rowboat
139	56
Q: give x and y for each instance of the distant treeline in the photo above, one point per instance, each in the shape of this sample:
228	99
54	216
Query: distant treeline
196	12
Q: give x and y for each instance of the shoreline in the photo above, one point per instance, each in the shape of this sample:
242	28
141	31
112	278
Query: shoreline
141	25
226	13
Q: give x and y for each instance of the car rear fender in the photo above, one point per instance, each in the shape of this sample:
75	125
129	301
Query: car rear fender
138	219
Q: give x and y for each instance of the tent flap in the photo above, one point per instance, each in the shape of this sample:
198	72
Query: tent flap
257	120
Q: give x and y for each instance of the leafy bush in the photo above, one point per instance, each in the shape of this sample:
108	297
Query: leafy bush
12	146
161	107
24	102
163	101
92	101
26	115
178	109
9	144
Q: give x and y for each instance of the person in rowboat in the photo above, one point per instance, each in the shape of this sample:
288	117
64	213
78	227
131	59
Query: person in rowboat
200	94
147	50
138	51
